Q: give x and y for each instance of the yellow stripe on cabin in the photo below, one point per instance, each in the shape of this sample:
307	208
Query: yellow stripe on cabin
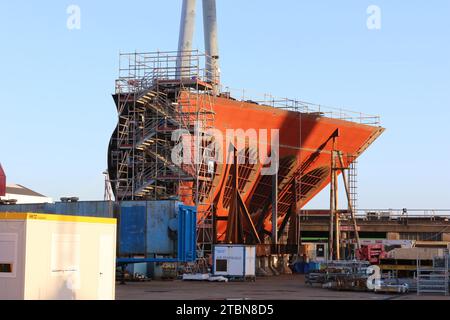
54	217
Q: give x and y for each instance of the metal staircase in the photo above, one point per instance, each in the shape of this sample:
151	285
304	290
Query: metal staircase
152	103
353	181
196	114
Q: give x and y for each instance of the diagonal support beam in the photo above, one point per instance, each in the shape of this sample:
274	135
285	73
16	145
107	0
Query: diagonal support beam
285	222
238	212
248	218
350	206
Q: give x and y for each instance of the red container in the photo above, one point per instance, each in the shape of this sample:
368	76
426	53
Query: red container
371	253
2	182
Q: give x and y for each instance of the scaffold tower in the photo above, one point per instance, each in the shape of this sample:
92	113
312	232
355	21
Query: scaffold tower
163	149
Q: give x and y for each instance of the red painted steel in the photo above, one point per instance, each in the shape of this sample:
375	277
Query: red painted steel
305	148
2	182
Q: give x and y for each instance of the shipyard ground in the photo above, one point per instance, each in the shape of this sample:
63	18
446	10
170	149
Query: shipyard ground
290	287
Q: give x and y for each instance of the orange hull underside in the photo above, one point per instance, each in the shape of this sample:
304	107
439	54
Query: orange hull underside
305	157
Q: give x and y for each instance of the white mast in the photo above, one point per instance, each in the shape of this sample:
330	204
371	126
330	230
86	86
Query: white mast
187	27
211	43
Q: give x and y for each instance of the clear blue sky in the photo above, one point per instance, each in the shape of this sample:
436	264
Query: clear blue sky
57	114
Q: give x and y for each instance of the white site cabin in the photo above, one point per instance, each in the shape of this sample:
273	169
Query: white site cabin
235	261
52	257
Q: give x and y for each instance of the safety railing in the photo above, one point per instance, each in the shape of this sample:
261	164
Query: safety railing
302	106
386	214
394	214
140	71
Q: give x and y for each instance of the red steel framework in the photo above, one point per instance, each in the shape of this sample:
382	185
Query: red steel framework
2	182
236	203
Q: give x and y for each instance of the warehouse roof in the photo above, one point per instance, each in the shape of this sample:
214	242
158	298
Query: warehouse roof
23	191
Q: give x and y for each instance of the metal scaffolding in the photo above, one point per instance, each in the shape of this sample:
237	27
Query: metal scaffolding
353	181
349	176
162	106
435	279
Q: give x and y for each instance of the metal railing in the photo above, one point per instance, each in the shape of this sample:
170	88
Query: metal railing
302	106
394	214
140	71
387	214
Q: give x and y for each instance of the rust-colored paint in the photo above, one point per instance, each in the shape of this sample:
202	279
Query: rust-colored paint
305	148
2	182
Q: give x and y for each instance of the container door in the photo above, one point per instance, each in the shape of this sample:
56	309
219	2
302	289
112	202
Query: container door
320	251
236	261
8	255
187	235
106	268
250	261
132	230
